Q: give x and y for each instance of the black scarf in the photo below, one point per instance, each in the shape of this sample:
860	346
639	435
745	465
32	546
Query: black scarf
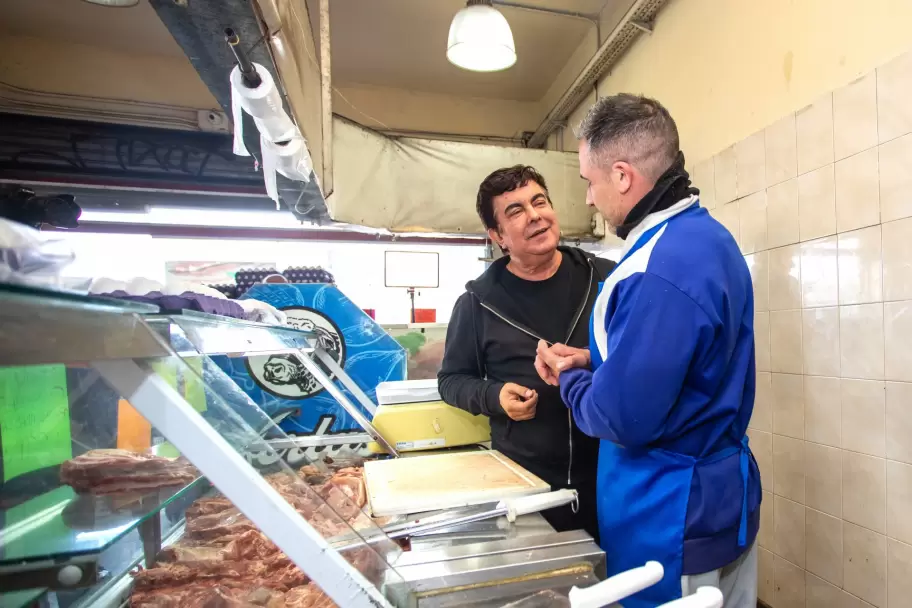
670	188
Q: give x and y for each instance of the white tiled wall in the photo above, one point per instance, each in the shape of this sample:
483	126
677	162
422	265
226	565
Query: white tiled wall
821	204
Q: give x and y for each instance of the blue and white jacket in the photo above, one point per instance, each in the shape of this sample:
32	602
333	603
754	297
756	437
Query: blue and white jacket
673	330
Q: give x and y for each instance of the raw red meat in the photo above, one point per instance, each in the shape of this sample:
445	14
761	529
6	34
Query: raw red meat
114	471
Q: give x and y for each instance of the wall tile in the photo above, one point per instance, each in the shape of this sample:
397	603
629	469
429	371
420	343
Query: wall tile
860	266
762	417
785	341
704	179
864	416
820	273
865	564
855	117
753	222
899	501
758	265
895	158
790	584
781	151
899	573
861	341
894	89
725	168
782	214
790	531
761	444
766	536
823	410
821	594
788	405
788	468
858	191
751	164
824	546
899	422
898	341
897	259
729	216
766	586
820	342
817	203
864	495
823	478
814	125
785	278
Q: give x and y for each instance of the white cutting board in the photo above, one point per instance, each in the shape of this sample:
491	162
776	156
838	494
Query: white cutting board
401	486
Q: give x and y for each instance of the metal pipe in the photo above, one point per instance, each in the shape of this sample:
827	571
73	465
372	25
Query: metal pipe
549	11
248	72
326	97
607	55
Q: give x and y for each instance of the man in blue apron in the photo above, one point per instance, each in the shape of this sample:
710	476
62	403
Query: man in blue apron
668	381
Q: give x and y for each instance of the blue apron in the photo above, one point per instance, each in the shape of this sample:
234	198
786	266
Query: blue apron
642	500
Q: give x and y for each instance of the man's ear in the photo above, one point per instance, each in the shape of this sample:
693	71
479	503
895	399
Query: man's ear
623	174
495	237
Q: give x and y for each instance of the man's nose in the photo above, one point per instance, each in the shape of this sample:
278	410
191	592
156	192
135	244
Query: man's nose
533	215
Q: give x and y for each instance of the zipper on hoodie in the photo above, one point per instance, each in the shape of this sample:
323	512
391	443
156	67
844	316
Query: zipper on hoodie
576	319
529	332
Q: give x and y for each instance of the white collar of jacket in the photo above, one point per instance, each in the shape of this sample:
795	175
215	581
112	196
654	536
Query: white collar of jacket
654	219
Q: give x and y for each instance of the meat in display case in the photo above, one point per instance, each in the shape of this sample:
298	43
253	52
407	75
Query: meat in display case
126	450
134	470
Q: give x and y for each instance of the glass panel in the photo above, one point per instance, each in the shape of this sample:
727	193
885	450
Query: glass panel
58	328
212	335
50	414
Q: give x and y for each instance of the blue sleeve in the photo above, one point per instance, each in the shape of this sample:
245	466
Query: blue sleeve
655	332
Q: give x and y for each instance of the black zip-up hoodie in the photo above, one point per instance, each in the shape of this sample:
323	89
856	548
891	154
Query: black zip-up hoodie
486	348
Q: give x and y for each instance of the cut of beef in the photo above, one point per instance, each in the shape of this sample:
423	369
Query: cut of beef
114	471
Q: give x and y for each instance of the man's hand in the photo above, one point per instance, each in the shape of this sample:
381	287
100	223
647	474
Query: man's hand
550	361
518	401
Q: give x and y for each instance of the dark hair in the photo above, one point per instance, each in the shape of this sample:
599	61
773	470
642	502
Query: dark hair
504	180
632	128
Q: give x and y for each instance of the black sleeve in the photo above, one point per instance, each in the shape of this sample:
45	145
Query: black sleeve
460	381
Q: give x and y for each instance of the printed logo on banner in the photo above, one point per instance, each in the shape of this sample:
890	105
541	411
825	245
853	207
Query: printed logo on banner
282	374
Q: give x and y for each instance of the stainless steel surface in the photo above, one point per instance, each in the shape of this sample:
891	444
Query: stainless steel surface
457	568
315	441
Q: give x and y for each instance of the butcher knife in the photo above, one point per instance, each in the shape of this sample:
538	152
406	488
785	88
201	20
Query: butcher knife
510	508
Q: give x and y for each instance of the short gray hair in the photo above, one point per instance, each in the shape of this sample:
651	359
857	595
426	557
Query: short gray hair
634	129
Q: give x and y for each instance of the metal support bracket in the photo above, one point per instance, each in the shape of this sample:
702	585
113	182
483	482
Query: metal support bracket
643	26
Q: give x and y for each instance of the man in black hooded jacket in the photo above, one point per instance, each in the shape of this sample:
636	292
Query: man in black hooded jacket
538	291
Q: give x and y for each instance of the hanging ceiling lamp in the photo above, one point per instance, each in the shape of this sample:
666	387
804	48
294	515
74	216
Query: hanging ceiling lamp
480	39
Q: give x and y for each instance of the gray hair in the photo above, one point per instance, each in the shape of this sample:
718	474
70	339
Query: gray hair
634	129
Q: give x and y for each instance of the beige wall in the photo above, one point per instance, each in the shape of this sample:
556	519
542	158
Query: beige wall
398	109
820	204
727	68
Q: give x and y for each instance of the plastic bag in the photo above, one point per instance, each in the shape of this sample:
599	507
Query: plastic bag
30	257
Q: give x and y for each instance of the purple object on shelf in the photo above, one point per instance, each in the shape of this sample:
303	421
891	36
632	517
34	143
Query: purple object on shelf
185	301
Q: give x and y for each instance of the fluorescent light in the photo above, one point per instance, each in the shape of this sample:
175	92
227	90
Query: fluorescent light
480	39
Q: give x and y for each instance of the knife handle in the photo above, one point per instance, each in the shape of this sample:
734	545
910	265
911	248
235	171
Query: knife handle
705	597
524	505
617	587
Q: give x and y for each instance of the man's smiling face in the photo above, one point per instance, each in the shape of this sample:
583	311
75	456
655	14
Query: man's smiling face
526	221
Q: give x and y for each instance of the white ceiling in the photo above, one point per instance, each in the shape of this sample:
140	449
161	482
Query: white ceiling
402	44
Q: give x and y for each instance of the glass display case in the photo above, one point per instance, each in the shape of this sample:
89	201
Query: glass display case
126	448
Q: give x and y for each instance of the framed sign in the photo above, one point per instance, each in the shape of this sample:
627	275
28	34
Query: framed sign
412	269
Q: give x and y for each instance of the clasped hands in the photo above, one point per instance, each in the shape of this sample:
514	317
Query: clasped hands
550	361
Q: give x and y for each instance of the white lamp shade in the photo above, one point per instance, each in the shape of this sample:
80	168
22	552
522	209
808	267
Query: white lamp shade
480	40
